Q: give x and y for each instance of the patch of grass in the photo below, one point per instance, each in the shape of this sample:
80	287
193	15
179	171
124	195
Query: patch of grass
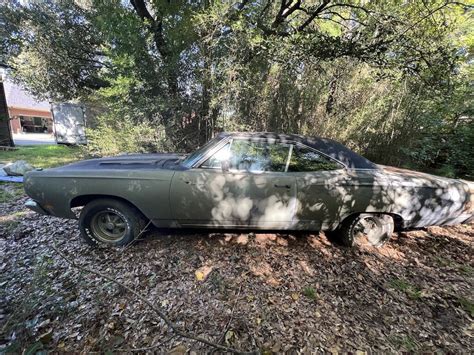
411	291
309	292
399	284
442	261
405	343
467	305
10	192
10	225
43	156
11	221
466	270
22	320
219	284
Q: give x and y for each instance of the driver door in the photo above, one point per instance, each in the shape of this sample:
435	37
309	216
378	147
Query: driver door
253	189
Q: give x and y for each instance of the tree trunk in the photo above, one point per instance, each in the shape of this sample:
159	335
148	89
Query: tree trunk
5	131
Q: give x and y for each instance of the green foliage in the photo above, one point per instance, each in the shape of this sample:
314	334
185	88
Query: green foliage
53	41
467	305
11	221
404	343
10	192
446	148
310	292
411	291
115	137
392	80
464	269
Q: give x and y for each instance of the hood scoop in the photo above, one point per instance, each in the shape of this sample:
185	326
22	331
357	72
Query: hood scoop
124	164
128	163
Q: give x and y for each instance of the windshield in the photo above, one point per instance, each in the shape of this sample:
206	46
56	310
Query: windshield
194	157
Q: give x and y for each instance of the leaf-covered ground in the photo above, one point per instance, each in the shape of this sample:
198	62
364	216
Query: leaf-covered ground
261	292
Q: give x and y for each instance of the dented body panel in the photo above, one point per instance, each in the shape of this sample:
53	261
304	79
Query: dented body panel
172	192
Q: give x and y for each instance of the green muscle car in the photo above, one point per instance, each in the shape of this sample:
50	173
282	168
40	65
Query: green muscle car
250	181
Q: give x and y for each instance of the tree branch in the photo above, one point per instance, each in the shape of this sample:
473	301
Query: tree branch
313	15
154	308
285	11
242	4
226	329
336	22
432	12
142	11
155	26
345	18
351	6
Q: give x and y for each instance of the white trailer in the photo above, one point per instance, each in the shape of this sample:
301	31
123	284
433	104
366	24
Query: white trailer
69	123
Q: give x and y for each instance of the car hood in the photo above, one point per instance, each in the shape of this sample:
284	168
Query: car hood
128	161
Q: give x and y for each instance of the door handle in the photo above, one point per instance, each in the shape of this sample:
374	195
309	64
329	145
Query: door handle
283	186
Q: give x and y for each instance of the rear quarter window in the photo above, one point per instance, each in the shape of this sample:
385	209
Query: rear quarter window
305	159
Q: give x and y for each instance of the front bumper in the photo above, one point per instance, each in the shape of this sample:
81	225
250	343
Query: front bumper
35	206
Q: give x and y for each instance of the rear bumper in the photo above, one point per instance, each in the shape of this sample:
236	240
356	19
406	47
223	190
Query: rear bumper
35	206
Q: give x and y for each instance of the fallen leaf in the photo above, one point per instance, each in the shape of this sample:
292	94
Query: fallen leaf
203	272
229	336
46	337
242	239
178	350
295	296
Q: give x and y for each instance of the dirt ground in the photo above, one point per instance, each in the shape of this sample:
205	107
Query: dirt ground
252	292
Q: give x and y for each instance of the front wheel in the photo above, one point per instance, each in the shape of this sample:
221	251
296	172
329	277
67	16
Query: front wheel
374	229
110	222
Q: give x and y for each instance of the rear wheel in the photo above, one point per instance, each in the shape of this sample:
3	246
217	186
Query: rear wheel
110	222
374	229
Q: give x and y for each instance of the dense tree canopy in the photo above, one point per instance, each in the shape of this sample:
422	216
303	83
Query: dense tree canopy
392	79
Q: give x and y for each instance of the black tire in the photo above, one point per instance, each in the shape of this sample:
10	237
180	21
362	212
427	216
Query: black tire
110	222
376	234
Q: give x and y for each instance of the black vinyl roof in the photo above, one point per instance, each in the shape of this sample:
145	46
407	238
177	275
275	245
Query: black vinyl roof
326	146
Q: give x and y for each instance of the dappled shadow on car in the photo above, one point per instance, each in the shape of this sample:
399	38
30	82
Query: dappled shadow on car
323	199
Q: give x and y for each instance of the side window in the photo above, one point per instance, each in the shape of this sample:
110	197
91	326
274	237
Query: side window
305	159
215	161
258	156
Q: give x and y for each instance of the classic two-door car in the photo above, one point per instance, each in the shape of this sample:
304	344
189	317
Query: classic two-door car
251	181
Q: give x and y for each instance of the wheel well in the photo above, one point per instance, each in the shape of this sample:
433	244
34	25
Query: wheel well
397	219
399	223
83	200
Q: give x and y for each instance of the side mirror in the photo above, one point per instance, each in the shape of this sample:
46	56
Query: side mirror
225	165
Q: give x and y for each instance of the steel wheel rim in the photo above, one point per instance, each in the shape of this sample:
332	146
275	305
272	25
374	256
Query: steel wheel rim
369	227
108	226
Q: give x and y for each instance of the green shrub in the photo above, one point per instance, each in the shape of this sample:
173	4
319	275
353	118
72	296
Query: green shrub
446	151
124	136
